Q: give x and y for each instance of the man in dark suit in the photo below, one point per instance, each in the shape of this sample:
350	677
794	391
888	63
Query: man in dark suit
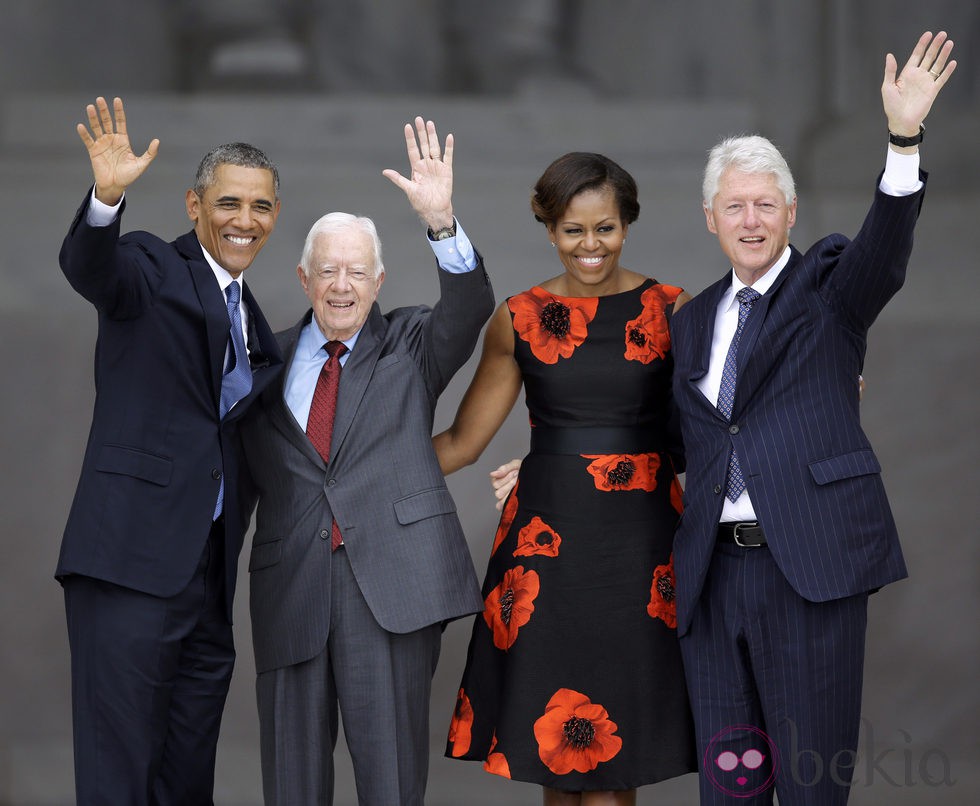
786	527
150	550
358	558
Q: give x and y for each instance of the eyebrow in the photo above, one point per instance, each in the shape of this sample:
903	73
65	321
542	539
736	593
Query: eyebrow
221	199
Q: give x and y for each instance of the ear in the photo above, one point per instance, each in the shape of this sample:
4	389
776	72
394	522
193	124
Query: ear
791	215
381	279
193	204
303	280
709	217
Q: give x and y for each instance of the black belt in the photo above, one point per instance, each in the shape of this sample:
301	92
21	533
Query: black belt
747	534
596	440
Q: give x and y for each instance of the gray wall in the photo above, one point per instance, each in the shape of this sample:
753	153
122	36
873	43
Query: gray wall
325	89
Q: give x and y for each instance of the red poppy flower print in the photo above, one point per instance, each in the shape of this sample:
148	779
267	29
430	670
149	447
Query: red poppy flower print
510	604
461	725
506	519
496	762
575	733
648	336
662	604
624	471
677	495
537	538
552	326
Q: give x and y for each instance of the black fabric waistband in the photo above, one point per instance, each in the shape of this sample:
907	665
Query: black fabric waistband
595	440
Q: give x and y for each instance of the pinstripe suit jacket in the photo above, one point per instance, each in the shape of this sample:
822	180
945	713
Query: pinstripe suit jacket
814	480
382	483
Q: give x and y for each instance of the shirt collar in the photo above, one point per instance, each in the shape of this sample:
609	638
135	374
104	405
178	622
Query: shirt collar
220	273
762	285
311	340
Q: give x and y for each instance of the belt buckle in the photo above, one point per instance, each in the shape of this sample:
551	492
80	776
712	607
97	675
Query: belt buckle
735	536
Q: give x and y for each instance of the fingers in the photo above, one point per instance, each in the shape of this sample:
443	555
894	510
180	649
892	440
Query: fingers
104	117
891	69
919	51
412	144
447	156
100	119
82	130
931	53
117	106
396	178
151	151
423	142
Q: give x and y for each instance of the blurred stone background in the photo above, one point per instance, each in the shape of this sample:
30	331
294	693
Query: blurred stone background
325	86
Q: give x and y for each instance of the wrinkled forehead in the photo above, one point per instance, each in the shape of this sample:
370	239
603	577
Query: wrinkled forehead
346	248
242	182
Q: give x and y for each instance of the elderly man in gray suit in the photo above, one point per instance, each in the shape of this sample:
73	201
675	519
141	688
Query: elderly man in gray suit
358	557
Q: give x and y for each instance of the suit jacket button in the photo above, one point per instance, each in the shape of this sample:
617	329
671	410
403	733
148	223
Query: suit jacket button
331	482
733	429
324	534
216	474
717	489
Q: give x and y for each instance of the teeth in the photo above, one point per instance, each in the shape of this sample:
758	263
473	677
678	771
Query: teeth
340	304
592	261
239	240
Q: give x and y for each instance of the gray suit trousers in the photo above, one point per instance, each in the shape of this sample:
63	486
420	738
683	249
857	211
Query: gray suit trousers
381	682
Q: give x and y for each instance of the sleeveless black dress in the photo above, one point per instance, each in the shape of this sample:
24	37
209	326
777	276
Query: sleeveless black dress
573	677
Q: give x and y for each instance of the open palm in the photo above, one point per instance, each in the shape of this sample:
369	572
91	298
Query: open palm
114	164
430	188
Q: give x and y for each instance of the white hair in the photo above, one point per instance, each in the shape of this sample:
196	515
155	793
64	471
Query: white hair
339	222
751	154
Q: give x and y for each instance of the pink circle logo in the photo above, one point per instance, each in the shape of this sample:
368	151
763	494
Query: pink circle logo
735	761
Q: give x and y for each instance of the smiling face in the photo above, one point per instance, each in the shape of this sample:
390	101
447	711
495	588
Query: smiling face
343	282
235	216
752	220
589	238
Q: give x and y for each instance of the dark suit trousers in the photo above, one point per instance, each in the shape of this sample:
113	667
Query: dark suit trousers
382	682
769	671
149	681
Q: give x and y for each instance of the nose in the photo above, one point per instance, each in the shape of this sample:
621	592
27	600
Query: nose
341	280
243	218
590	241
752	218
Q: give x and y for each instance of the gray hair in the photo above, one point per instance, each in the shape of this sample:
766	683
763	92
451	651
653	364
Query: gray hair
241	154
339	222
751	154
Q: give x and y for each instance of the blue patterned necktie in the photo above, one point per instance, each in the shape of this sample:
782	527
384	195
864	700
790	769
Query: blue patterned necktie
747	297
237	379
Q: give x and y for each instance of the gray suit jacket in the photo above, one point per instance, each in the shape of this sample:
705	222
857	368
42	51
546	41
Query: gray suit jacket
382	483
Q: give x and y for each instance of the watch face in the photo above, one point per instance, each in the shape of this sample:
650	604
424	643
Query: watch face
445	232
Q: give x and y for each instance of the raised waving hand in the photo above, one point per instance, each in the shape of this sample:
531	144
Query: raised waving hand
908	96
114	164
430	187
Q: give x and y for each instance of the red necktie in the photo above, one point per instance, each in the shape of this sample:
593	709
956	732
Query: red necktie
319	426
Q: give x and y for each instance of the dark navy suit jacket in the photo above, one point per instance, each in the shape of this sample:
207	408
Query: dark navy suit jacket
813	478
157	447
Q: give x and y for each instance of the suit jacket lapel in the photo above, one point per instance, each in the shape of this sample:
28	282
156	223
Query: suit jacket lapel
356	374
274	400
748	356
706	312
216	322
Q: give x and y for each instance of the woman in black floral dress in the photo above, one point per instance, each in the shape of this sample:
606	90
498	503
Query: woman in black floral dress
573	677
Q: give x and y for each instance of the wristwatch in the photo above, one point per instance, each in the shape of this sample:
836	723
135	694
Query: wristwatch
905	142
443	233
